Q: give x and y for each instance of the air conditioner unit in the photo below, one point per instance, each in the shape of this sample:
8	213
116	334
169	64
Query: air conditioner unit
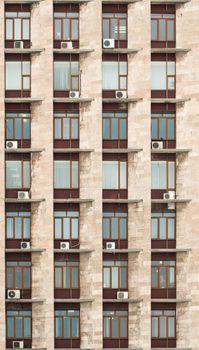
110	245
25	245
169	195
157	145
108	43
64	245
120	94
11	144
23	195
74	94
18	44
122	295
171	206
18	344
13	294
67	45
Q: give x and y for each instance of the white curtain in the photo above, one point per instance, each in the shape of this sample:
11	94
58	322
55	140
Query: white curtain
13	75
110	75
61	174
110	175
62	76
13	174
158	75
158	176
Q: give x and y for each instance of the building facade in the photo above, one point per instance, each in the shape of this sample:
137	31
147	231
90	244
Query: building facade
99	174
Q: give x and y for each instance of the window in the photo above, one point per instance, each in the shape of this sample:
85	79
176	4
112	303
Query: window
163	175
115	324
67	274
66	26
66	126
115	26
66	224
115	225
114	75
114	175
162	27
17	174
66	75
163	75
115	126
18	126
163	323
163	273
115	274
17	25
66	174
163	126
163	226
18	225
18	274
19	324
18	75
67	324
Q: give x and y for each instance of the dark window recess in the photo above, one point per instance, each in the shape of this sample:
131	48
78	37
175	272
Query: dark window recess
163	26
114	74
67	277
114	25
17	26
66	26
18	75
163	325
115	225
66	75
163	276
163	76
115	326
115	129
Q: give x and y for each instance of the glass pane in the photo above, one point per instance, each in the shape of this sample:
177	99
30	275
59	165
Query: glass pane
123	68
115	327
66	228
162	223
170	30
114	277
57	29
106	34
26	30
75	83
66	29
18	129
154	129
171	83
10	327
154	327
75	277
9	129
74	68
18	278
58	327
114	228
13	75
162	29
123	129
61	174
163	277
75	327
75	174
114	28
163	128
110	174
171	129
154	277
158	76
9	278
26	83
171	175
58	228
171	228
26	174
122	29
27	278
171	277
171	327
123	83
171	68
123	278
106	327
13	174
66	128
123	229
61	75
27	327
110	75
162	327
26	129
58	277
106	228
158	175
18	327
57	128
17	29
9	29
106	128
75	228
123	327
74	126
106	277
66	276
114	131
66	327
122	175
74	35
26	68
9	228
154	228
153	30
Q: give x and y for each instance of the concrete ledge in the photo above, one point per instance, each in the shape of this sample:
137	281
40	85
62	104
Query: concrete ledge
22	1
170	301
73	150
120	1
171	150
121	100
23	100
81	300
180	200
73	200
71	251
24	51
169	100
171	348
31	250
169	50
31	349
73	51
125	51
169	1
69	1
121	150
72	100
125	201
130	250
129	301
22	301
30	200
172	250
24	150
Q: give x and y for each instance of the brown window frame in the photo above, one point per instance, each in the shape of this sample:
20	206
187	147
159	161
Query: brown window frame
120	76
118	174
106	16
167	174
22	174
13	26
167	267
18	267
72	76
110	225
118	118
167	19
167	318
71	175
23	317
70	217
22	117
70	265
118	316
14	224
62	117
119	268
160	116
166	60
164	215
23	76
71	19
71	317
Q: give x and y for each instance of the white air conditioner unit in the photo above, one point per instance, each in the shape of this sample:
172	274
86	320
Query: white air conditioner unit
25	245
122	295
64	245
23	195
13	294
74	94
108	43
120	94
171	206
157	145
67	45
169	195
18	344
110	245
11	144
18	44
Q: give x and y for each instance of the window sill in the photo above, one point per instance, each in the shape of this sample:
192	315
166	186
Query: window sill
69	1
180	200
73	150
114	251
72	100
23	100
81	300
22	1
169	1
120	1
74	200
170	301
71	251
171	150
22	301
31	250
124	201
124	51
171	250
24	51
73	51
121	100
24	150
169	100
169	50
30	200
129	301
122	150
